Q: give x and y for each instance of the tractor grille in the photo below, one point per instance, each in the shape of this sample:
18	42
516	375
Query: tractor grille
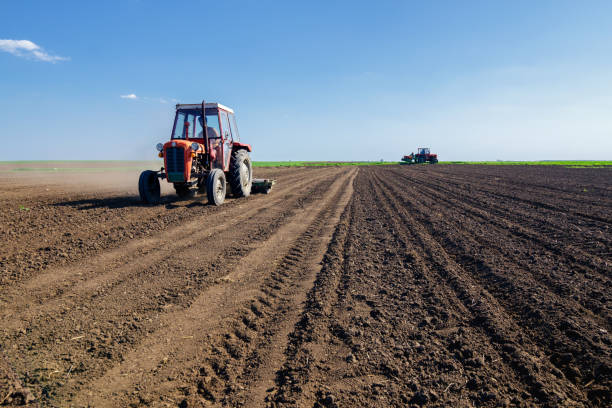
175	162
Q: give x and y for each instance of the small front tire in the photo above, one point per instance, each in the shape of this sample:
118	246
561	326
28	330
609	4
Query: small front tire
215	187
148	187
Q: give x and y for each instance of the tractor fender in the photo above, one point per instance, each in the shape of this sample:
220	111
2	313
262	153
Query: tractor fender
238	145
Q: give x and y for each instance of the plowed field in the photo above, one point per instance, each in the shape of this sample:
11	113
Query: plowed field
346	286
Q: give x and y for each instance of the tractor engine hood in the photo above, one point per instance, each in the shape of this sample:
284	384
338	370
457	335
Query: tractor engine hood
177	160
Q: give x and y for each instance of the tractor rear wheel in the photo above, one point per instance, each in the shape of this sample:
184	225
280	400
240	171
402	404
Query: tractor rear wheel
182	190
241	173
148	187
215	187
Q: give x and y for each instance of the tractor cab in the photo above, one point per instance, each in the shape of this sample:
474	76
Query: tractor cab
189	121
215	130
188	124
424	155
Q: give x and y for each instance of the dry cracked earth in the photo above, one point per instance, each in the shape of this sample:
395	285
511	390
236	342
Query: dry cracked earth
485	286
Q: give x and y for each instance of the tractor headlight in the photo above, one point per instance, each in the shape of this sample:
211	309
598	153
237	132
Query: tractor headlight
159	147
195	146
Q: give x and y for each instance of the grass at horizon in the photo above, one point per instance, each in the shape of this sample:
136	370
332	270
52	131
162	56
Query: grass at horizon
566	163
317	163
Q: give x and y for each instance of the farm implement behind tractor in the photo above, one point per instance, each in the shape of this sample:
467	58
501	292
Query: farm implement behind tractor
423	156
204	154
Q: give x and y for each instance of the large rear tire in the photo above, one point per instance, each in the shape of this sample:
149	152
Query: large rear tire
215	187
241	173
148	187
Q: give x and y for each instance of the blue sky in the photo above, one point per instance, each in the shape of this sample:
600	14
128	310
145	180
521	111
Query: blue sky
474	80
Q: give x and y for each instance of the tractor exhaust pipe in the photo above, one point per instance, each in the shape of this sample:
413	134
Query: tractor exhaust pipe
205	130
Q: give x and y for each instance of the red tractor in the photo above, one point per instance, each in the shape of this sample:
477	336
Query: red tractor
423	156
204	154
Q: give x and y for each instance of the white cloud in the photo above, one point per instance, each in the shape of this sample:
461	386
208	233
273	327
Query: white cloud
144	98
27	49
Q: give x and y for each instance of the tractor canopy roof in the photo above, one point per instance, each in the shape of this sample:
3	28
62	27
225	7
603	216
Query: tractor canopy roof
208	105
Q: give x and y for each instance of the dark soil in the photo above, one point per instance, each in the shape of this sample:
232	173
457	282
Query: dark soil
464	286
372	286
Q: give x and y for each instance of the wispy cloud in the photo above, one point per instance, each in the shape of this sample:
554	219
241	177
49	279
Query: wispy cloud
143	98
27	49
129	96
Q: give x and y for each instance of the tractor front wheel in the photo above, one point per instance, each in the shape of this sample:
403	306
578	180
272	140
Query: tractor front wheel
241	173
148	187
215	187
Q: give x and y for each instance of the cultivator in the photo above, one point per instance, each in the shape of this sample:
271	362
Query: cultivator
262	185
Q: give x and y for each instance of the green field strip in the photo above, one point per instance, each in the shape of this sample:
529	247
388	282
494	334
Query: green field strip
317	163
567	163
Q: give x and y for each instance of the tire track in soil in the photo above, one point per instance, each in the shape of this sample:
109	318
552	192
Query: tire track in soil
98	274
113	320
56	232
261	338
181	343
297	369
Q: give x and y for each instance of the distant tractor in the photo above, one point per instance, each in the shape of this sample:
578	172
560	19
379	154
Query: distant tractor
204	154
423	156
